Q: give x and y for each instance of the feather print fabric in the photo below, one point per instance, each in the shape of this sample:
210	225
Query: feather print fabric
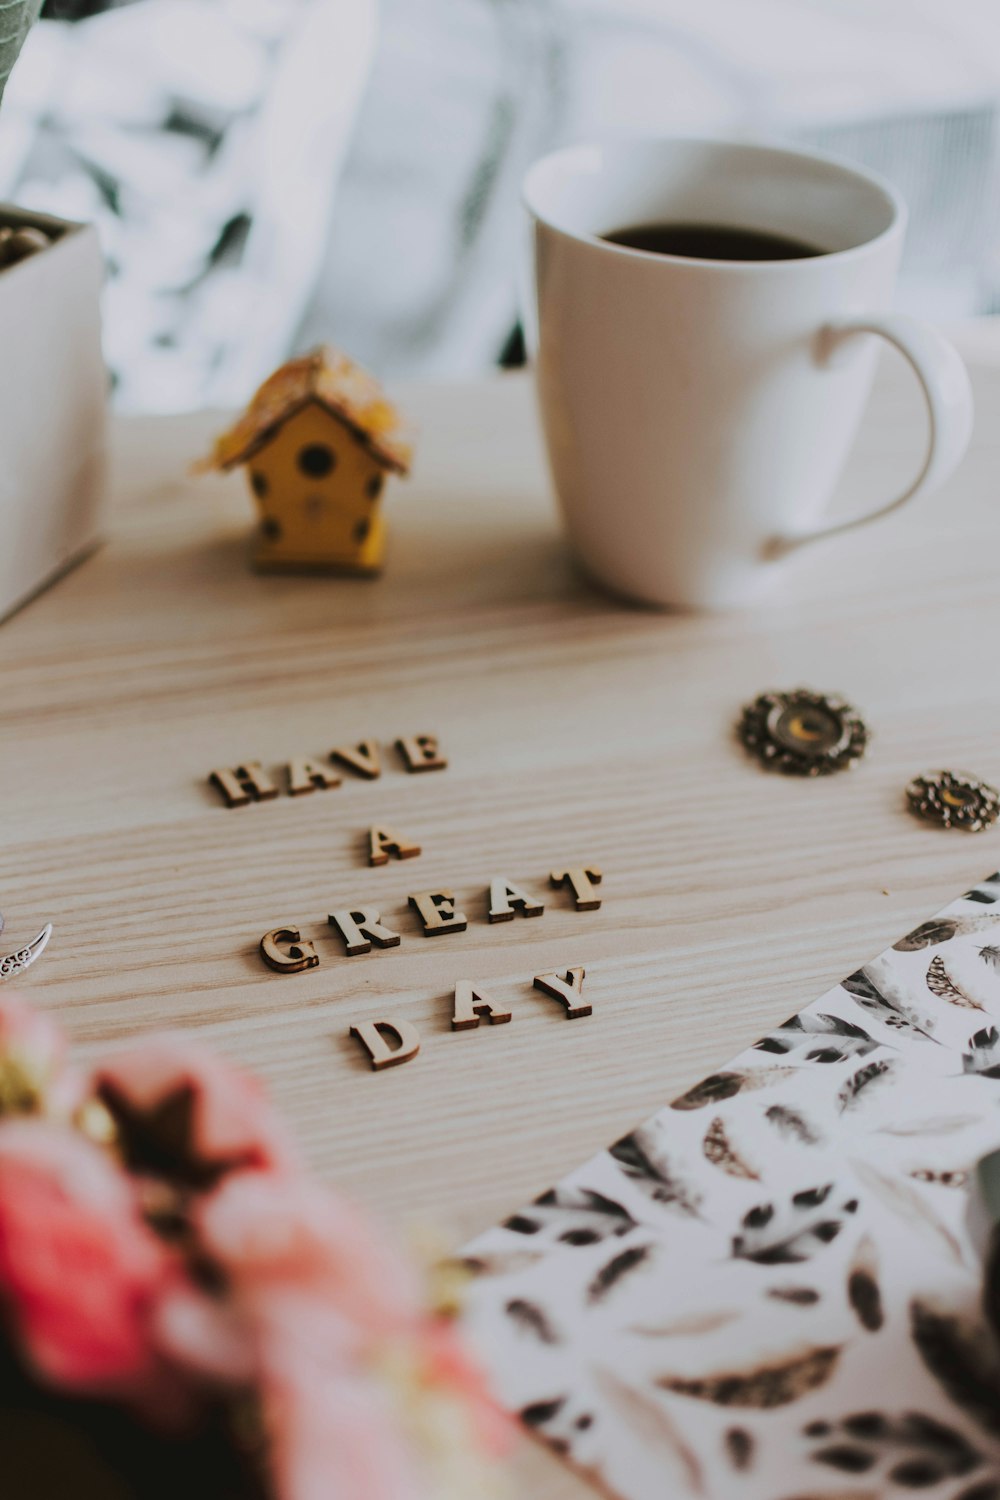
772	1289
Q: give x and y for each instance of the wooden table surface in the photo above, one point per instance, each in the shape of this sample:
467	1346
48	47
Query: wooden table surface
578	730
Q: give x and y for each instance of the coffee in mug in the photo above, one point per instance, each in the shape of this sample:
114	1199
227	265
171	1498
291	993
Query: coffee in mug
711	242
701	325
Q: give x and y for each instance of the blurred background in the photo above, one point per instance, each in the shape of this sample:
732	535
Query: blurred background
269	173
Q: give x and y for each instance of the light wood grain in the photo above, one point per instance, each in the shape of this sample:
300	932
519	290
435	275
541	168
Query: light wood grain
578	732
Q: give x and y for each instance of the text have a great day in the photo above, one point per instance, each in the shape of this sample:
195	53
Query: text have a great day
360	928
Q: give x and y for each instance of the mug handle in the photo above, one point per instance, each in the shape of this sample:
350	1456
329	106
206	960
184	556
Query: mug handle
947	389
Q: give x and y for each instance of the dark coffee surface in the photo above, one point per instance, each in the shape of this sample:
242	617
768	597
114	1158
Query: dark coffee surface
711	242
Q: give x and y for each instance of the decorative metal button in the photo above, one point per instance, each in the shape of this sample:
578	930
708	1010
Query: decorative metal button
954	800
803	733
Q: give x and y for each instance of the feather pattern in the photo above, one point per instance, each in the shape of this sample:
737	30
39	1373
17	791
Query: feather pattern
721	1086
983	1056
959	1356
764	1386
907	1203
934	1125
500	1264
819	1039
922	1450
863	1291
693	1326
833	1163
890	1010
945	929
615	1270
797	1296
532	1319
941	984
720	1151
792	1124
636	1155
651	1424
862	1082
794	1231
739	1446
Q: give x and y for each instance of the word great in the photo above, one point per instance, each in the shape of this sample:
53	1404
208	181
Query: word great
389	1043
249	782
285	952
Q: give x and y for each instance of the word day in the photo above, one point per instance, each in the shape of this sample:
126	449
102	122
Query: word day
249	782
388	1043
284	950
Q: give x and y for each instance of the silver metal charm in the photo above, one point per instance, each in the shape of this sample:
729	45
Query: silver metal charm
803	733
23	958
954	799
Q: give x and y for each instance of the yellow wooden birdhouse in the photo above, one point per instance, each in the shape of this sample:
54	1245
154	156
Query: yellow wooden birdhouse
317	440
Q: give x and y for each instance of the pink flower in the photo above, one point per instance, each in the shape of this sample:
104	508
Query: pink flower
448	1366
189	1116
35	1077
79	1270
333	1432
353	1374
272	1234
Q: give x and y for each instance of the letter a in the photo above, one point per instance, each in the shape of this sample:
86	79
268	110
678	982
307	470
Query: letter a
504	897
383	841
471	1003
306	775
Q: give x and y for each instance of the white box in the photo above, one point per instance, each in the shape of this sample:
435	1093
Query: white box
53	408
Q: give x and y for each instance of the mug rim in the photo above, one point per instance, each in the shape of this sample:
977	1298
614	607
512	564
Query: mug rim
580	149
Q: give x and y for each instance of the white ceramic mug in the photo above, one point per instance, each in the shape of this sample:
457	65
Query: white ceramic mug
698	413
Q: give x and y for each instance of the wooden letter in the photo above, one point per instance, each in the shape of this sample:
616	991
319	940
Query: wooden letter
360	929
382	842
420	752
471	1003
298	957
306	775
242	784
362	758
582	881
566	989
437	912
375	1037
504	897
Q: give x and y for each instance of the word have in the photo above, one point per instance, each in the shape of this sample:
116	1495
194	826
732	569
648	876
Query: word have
389	1043
249	782
285	952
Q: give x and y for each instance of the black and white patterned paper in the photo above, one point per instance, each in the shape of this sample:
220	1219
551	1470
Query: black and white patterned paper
771	1289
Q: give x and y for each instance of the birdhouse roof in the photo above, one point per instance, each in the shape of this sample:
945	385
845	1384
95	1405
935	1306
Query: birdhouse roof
334	381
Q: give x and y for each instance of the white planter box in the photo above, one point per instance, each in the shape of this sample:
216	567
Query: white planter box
53	408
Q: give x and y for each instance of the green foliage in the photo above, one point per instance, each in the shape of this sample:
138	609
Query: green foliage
16	18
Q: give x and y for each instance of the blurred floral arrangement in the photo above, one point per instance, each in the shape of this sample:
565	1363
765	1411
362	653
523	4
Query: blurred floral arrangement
184	1311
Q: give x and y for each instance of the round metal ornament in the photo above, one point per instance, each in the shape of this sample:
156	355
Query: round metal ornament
803	733
954	799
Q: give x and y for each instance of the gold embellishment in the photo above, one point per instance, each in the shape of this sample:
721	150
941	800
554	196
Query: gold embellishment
803	733
954	799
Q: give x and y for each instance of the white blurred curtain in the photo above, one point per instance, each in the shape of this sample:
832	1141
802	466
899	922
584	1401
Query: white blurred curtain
267	173
205	138
419	271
